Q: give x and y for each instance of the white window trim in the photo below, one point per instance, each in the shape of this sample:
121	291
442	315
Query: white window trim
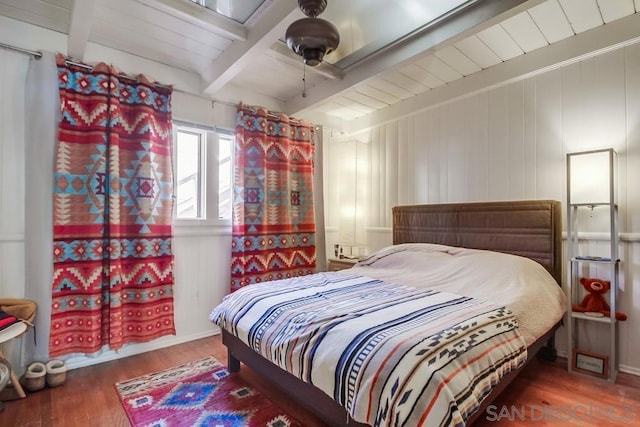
207	181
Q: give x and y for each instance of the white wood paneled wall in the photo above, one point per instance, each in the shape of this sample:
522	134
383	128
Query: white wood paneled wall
503	144
346	173
510	143
13	68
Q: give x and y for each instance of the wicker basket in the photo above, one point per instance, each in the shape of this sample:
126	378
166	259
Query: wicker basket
56	373
34	378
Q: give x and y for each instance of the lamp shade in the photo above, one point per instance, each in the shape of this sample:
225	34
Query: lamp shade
591	177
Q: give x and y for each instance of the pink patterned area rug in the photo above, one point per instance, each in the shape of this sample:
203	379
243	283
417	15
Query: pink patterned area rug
200	393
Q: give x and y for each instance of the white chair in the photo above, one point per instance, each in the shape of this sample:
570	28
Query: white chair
7	334
5	376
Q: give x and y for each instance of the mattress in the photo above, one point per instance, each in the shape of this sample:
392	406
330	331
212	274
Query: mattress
408	336
519	283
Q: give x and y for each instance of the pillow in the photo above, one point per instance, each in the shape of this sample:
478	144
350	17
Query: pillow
7	320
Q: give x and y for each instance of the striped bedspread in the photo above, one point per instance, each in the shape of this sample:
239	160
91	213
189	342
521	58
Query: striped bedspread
390	354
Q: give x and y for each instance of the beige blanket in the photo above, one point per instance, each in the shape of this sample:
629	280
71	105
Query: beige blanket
519	283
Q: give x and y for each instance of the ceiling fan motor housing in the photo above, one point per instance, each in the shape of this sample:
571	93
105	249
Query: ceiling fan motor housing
312	8
312	38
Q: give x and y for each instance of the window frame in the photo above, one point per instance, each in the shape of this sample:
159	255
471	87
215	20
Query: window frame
201	211
231	137
209	171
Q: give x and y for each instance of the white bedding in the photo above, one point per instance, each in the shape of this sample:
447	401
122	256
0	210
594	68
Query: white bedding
389	354
415	334
519	283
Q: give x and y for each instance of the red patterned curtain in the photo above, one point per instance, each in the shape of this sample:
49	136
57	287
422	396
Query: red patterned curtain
113	203
273	215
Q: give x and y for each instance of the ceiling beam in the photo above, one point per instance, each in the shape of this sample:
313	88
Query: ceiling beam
271	26
477	16
281	51
79	28
200	16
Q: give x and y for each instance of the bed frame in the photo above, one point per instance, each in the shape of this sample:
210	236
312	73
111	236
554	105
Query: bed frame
530	228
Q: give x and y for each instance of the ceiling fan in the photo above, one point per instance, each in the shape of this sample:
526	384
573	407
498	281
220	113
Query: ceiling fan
312	37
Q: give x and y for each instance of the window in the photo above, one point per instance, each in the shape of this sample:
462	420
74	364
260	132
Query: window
189	149
225	171
203	168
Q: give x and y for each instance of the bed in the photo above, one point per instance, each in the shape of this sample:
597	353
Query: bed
419	289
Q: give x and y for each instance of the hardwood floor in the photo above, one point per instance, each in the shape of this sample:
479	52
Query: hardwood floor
544	394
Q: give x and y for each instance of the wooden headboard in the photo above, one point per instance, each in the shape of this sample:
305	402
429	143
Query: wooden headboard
529	228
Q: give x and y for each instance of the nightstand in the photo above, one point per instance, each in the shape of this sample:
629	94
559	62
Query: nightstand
336	264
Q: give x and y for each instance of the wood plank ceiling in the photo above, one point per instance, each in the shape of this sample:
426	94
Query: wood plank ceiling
252	56
534	28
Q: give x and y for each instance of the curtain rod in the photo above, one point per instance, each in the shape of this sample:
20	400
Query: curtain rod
228	104
78	64
33	53
206	98
215	101
121	75
38	55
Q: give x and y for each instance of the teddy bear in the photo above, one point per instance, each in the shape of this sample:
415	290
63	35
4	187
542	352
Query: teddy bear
594	301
